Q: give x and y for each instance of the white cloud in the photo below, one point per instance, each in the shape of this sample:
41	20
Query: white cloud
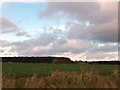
5	52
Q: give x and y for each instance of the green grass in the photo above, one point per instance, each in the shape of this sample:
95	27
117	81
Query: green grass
41	69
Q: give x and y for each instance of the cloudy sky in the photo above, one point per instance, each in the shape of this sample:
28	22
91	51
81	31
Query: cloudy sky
78	30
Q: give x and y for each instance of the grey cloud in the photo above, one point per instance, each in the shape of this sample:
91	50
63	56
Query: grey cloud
22	33
99	55
51	40
4	43
71	45
26	46
104	21
78	31
107	47
54	47
49	43
88	11
1	51
71	8
105	32
7	26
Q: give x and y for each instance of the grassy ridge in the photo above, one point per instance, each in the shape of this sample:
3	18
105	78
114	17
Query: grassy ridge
28	69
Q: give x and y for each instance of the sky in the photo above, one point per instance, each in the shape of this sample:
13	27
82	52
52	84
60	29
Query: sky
78	30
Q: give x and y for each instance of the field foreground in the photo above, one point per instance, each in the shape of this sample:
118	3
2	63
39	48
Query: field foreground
19	75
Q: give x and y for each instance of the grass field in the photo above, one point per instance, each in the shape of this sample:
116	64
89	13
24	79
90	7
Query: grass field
28	69
37	75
